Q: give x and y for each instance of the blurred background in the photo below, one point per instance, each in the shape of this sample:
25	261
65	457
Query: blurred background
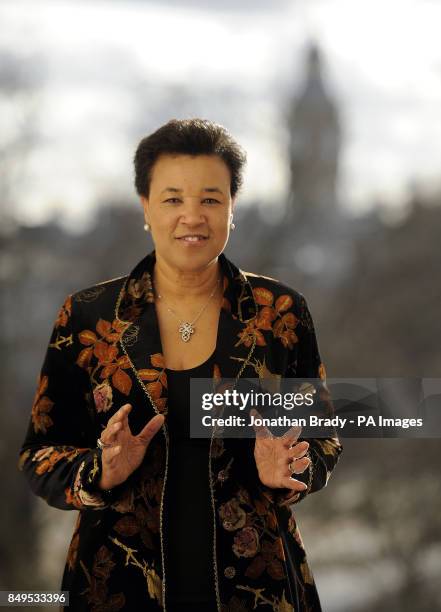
337	103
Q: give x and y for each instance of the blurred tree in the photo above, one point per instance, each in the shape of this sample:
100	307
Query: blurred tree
21	85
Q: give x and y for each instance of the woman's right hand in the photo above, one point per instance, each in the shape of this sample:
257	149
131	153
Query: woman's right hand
127	451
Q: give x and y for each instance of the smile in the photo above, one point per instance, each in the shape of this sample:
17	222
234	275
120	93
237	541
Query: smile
196	238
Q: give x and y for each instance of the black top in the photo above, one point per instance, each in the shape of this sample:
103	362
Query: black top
188	512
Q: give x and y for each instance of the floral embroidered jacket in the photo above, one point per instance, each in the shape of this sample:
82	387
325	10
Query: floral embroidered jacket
105	351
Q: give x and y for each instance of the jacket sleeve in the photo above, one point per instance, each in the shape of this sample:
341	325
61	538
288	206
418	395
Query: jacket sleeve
59	457
305	363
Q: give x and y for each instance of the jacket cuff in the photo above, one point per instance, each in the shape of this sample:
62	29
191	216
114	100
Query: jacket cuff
86	491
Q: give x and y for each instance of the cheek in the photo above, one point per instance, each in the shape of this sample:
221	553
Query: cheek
220	230
221	221
165	222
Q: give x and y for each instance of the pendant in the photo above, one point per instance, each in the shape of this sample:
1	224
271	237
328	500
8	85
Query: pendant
186	329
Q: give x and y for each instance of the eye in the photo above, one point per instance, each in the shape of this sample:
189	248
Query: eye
173	200
212	200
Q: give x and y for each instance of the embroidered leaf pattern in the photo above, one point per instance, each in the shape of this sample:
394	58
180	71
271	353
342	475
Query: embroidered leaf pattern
271	318
103	346
41	407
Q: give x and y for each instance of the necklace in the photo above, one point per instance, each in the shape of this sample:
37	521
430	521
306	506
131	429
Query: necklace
186	328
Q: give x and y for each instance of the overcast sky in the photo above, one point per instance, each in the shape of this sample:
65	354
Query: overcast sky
109	72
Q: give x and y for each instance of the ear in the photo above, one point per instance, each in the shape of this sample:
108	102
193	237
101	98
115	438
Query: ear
145	205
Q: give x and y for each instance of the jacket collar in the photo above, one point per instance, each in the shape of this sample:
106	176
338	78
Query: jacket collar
141	341
137	291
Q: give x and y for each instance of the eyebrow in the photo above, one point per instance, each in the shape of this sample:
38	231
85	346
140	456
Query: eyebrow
207	189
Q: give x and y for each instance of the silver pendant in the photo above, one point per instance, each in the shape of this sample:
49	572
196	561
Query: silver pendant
186	329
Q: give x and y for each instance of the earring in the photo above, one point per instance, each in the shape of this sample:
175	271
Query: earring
232	226
146	227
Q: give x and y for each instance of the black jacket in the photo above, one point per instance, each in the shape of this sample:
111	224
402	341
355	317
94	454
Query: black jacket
105	351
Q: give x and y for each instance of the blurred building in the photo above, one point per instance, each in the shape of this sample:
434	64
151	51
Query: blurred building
314	242
315	137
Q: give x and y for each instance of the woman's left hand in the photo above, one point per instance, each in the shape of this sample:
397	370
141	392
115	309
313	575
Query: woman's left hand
274	454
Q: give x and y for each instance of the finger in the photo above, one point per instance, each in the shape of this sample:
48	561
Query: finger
261	430
298	466
152	427
111	453
298	450
292	483
120	414
291	436
108	435
125	421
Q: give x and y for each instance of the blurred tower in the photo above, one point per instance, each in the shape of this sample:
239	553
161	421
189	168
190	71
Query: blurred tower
315	138
315	240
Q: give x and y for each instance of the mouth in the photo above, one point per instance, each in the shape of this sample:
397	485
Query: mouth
192	238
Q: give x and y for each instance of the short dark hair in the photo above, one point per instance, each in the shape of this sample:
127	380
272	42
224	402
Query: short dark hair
188	137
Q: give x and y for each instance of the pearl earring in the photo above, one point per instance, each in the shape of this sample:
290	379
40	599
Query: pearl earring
146	227
232	226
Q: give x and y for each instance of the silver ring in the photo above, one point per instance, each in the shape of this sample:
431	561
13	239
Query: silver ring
102	444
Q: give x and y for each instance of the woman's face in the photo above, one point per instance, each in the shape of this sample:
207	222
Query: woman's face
189	195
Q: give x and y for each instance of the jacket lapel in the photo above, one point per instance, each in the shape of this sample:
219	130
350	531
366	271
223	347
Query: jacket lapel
141	341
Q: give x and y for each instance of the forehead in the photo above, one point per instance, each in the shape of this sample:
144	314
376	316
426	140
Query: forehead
189	170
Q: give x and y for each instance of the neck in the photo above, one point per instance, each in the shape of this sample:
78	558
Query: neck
184	286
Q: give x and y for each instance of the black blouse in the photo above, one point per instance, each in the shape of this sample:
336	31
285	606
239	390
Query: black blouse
187	503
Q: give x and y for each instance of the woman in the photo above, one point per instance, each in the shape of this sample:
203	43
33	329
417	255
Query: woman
169	522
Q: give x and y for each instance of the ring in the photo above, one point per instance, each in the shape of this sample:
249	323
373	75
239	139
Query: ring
290	468
102	444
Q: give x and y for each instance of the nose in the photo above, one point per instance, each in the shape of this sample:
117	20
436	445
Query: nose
192	212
